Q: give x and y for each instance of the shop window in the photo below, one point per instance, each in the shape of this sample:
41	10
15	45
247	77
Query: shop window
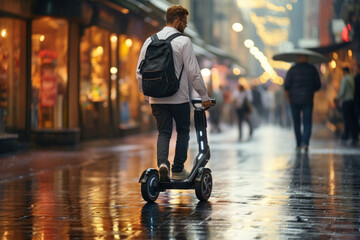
12	74
94	82
113	79
49	73
134	110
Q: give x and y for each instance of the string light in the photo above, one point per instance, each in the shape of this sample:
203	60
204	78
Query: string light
251	4
249	43
266	66
275	8
237	27
281	21
270	37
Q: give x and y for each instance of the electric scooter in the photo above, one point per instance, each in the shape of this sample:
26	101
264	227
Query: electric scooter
200	177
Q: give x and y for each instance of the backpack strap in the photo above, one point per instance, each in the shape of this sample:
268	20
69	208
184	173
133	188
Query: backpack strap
175	35
154	37
170	38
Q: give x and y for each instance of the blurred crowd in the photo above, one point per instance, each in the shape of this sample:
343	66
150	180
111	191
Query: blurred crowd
248	107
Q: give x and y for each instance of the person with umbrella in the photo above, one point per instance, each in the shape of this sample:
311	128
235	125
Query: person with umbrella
301	82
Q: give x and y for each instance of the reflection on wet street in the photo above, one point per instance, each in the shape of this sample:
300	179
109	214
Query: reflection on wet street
262	190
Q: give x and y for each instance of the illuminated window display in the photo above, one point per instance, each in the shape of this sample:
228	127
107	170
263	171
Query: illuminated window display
113	80
94	82
49	74
12	74
133	107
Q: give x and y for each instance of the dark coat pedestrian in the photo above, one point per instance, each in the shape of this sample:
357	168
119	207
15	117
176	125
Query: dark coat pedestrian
301	82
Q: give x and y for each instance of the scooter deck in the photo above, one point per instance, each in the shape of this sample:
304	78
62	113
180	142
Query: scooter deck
177	185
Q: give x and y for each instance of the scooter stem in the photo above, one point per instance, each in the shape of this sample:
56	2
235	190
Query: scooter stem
200	126
204	151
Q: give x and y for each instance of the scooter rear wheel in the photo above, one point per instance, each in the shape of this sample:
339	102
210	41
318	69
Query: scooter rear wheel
149	189
203	187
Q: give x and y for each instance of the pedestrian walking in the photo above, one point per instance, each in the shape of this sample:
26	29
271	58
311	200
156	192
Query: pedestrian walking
301	82
345	97
242	102
257	102
357	95
215	112
175	107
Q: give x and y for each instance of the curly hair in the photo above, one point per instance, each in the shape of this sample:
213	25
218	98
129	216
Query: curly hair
174	12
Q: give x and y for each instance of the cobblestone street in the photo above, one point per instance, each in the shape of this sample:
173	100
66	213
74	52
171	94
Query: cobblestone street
262	190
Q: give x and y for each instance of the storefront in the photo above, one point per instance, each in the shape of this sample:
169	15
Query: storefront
134	111
12	74
68	70
13	91
110	102
94	82
49	73
109	95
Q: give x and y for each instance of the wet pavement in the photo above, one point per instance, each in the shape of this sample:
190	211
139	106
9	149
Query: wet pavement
262	190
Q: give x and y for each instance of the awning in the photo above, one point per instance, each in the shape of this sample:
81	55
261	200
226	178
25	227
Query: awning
108	18
125	16
16	8
80	11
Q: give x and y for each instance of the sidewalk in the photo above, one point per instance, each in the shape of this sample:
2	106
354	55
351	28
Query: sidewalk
261	190
33	160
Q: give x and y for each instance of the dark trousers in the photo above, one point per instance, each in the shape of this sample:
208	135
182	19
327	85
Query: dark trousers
164	115
242	116
350	121
302	138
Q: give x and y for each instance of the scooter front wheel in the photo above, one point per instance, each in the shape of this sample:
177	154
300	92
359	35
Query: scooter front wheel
149	188
203	187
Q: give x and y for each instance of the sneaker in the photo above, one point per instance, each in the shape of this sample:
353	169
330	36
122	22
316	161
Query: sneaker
180	176
164	173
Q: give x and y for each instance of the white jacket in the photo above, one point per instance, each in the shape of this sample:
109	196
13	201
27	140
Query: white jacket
183	53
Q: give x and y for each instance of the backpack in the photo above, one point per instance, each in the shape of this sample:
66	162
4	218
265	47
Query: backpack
157	69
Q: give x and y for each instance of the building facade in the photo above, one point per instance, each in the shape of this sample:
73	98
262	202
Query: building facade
69	66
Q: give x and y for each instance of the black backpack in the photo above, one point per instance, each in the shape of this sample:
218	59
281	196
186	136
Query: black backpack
157	69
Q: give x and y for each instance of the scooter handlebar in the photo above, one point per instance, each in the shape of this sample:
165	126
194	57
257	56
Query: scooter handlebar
196	102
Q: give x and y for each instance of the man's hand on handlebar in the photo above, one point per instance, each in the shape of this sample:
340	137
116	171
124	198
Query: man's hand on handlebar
206	104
